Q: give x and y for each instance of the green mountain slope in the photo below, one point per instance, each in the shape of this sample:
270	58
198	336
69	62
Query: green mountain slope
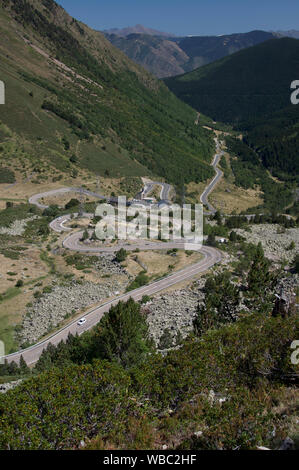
251	90
205	49
69	92
251	83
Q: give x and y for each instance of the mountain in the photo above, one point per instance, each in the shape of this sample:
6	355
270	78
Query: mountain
251	90
250	83
203	50
138	29
170	56
160	56
72	95
292	33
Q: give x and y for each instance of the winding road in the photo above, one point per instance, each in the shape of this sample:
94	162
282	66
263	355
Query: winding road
165	190
54	192
149	186
211	256
215	180
164	195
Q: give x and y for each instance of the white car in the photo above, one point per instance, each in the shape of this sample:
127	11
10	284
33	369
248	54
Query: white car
81	322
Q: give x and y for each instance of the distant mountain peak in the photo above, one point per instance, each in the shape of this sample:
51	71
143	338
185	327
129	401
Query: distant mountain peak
137	29
292	33
170	56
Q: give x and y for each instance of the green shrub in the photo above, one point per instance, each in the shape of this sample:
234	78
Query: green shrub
121	255
141	280
6	176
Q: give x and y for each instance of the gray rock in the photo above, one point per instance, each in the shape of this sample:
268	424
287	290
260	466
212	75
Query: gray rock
9	386
288	444
275	244
174	311
51	309
18	227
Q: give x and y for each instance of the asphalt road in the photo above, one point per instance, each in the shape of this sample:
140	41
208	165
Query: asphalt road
213	183
211	256
37	197
165	190
72	243
58	224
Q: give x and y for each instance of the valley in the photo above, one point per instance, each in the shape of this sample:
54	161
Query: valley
128	320
102	266
44	202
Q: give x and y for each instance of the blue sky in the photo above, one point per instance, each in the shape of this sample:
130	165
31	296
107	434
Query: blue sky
183	17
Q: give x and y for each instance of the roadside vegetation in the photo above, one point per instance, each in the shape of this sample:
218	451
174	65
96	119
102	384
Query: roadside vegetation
140	280
250	173
230	381
6	176
16	212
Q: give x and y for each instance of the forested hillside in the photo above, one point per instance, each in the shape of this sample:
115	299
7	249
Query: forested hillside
251	91
68	91
276	140
249	172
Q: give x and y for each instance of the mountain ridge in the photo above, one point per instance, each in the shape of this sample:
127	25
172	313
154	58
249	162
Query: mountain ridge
169	56
292	33
137	29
